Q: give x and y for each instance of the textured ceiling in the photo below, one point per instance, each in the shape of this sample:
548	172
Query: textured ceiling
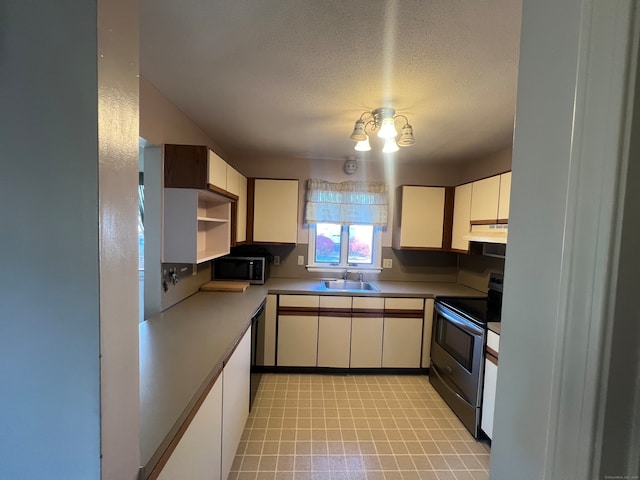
288	78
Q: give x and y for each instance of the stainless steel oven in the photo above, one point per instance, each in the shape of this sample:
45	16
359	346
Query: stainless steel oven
457	350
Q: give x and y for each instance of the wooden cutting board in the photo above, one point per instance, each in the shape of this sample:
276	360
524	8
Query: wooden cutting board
224	286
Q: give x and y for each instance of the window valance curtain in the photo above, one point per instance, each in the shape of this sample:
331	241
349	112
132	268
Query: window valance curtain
346	203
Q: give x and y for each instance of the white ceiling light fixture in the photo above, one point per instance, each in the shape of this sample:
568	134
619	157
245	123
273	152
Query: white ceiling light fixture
384	121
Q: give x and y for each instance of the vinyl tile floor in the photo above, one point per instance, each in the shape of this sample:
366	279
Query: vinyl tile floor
336	427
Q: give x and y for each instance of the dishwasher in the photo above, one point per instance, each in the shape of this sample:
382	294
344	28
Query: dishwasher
257	351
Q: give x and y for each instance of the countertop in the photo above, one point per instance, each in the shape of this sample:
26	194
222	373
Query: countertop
494	327
183	348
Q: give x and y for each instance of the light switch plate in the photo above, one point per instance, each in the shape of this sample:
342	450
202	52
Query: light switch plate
387	263
276	260
300	259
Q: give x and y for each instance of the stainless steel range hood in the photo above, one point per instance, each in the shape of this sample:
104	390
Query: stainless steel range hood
496	233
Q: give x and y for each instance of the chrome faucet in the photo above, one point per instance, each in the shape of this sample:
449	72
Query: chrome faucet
360	277
345	276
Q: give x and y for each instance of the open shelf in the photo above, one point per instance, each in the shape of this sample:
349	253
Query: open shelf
197	225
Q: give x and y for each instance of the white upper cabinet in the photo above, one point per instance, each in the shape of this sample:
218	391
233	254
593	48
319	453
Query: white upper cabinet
216	171
200	189
505	195
461	217
490	199
237	185
485	195
275	211
419	218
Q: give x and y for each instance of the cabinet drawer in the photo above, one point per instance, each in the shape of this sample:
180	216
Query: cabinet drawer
493	341
404	304
335	302
368	303
308	301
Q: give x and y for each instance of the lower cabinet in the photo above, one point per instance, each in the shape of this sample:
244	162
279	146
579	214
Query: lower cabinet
297	340
334	332
402	338
490	379
197	455
298	331
366	332
235	400
209	444
353	332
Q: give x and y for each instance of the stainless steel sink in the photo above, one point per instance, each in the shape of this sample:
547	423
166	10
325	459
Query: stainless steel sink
349	286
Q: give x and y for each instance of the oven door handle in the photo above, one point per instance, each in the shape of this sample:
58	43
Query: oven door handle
465	325
449	385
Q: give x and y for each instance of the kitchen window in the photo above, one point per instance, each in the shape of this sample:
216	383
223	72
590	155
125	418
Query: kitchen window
334	246
345	223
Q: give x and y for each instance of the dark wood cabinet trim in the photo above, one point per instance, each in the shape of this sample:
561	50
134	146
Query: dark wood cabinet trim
484	222
185	166
251	193
335	312
304	311
367	313
395	313
220	191
497	221
447	227
492	355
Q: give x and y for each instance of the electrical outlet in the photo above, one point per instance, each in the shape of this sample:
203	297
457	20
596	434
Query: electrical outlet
300	259
387	263
276	260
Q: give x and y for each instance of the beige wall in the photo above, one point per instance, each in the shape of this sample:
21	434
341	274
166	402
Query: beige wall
162	122
474	270
391	172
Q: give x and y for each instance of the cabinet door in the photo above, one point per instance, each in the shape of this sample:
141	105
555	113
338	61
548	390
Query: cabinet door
297	340
505	195
484	199
402	338
366	332
366	342
488	396
198	453
217	171
334	331
421	220
235	400
334	341
237	184
461	217
275	211
402	342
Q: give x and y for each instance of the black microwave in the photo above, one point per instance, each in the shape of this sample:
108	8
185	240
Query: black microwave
253	269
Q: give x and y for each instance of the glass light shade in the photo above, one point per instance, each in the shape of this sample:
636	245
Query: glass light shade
390	146
358	131
406	138
388	128
363	145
